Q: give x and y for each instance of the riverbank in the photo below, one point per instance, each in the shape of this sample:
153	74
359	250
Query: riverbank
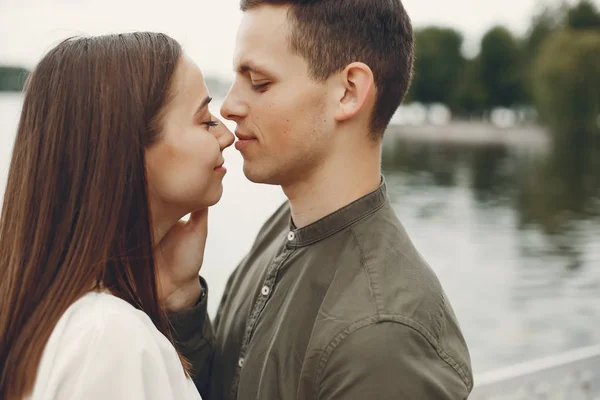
469	132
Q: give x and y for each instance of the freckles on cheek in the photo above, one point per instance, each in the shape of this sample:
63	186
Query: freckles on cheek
282	132
276	121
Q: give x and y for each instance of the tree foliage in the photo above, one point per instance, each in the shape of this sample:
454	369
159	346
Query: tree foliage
500	65
438	61
567	84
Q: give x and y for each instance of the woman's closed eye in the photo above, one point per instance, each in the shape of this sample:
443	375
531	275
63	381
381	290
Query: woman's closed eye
210	124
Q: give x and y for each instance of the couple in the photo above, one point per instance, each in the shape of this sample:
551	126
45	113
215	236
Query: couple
100	293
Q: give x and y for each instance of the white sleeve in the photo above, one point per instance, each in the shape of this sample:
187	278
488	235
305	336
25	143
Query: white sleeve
118	359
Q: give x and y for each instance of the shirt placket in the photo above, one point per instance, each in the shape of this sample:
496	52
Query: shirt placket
268	286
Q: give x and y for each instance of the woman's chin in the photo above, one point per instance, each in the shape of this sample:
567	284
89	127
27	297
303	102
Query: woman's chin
208	198
212	197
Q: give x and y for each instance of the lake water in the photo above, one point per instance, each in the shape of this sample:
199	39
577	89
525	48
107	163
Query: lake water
512	231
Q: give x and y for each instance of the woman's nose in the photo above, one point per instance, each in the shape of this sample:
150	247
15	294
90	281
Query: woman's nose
224	137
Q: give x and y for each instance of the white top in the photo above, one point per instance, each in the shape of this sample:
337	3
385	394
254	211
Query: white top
103	348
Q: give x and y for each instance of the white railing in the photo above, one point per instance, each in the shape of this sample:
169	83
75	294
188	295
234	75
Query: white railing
572	375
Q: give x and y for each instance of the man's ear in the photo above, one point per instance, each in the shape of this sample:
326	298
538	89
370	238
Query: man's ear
358	85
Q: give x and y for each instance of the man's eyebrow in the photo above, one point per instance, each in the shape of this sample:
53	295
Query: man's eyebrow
202	105
249	66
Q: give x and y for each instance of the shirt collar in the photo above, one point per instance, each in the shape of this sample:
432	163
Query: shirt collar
338	220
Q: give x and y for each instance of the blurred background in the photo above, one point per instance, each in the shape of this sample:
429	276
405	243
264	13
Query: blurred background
492	163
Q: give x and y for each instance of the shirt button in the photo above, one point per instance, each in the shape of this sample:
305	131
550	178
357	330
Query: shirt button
291	236
241	362
265	290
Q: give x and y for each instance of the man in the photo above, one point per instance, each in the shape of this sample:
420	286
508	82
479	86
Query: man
333	301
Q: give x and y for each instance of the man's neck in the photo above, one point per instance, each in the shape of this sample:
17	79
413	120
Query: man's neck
333	187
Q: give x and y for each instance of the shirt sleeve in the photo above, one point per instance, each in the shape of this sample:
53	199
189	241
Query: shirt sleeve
118	358
388	361
193	335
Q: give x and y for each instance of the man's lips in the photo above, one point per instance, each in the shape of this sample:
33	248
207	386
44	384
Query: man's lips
243	140
244	136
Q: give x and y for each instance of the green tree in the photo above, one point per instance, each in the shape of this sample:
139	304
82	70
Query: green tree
469	96
543	24
501	68
584	15
438	63
567	85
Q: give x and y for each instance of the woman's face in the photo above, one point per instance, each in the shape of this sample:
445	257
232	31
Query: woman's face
185	164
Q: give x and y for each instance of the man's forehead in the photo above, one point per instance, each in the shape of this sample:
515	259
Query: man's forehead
259	46
274	13
263	25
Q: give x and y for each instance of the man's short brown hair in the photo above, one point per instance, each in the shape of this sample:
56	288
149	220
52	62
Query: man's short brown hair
330	34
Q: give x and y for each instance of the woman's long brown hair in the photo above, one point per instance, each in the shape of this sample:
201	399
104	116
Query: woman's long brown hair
76	208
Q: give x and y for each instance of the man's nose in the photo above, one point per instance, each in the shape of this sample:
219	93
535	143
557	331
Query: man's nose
234	108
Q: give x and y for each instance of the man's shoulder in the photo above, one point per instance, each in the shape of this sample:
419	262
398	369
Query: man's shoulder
396	288
389	256
394	283
392	278
400	281
383	343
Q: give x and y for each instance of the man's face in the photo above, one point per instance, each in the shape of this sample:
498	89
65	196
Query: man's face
283	125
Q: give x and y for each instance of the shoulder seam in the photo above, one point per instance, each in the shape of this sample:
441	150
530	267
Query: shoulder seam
385	318
374	288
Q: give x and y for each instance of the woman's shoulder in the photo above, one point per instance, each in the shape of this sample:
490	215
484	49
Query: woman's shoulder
104	317
103	340
104	326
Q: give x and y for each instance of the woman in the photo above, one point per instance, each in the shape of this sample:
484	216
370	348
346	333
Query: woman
115	145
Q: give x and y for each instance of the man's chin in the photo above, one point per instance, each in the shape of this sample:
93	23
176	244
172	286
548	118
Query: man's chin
256	176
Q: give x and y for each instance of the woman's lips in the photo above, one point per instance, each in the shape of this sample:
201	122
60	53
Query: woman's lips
220	168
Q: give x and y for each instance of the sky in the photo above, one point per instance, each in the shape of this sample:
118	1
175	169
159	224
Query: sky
207	28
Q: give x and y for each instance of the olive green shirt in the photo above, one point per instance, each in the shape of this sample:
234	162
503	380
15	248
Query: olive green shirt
345	308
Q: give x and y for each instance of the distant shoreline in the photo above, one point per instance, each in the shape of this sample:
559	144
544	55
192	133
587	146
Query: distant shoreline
470	132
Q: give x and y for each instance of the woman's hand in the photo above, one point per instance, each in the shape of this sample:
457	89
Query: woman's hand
178	258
